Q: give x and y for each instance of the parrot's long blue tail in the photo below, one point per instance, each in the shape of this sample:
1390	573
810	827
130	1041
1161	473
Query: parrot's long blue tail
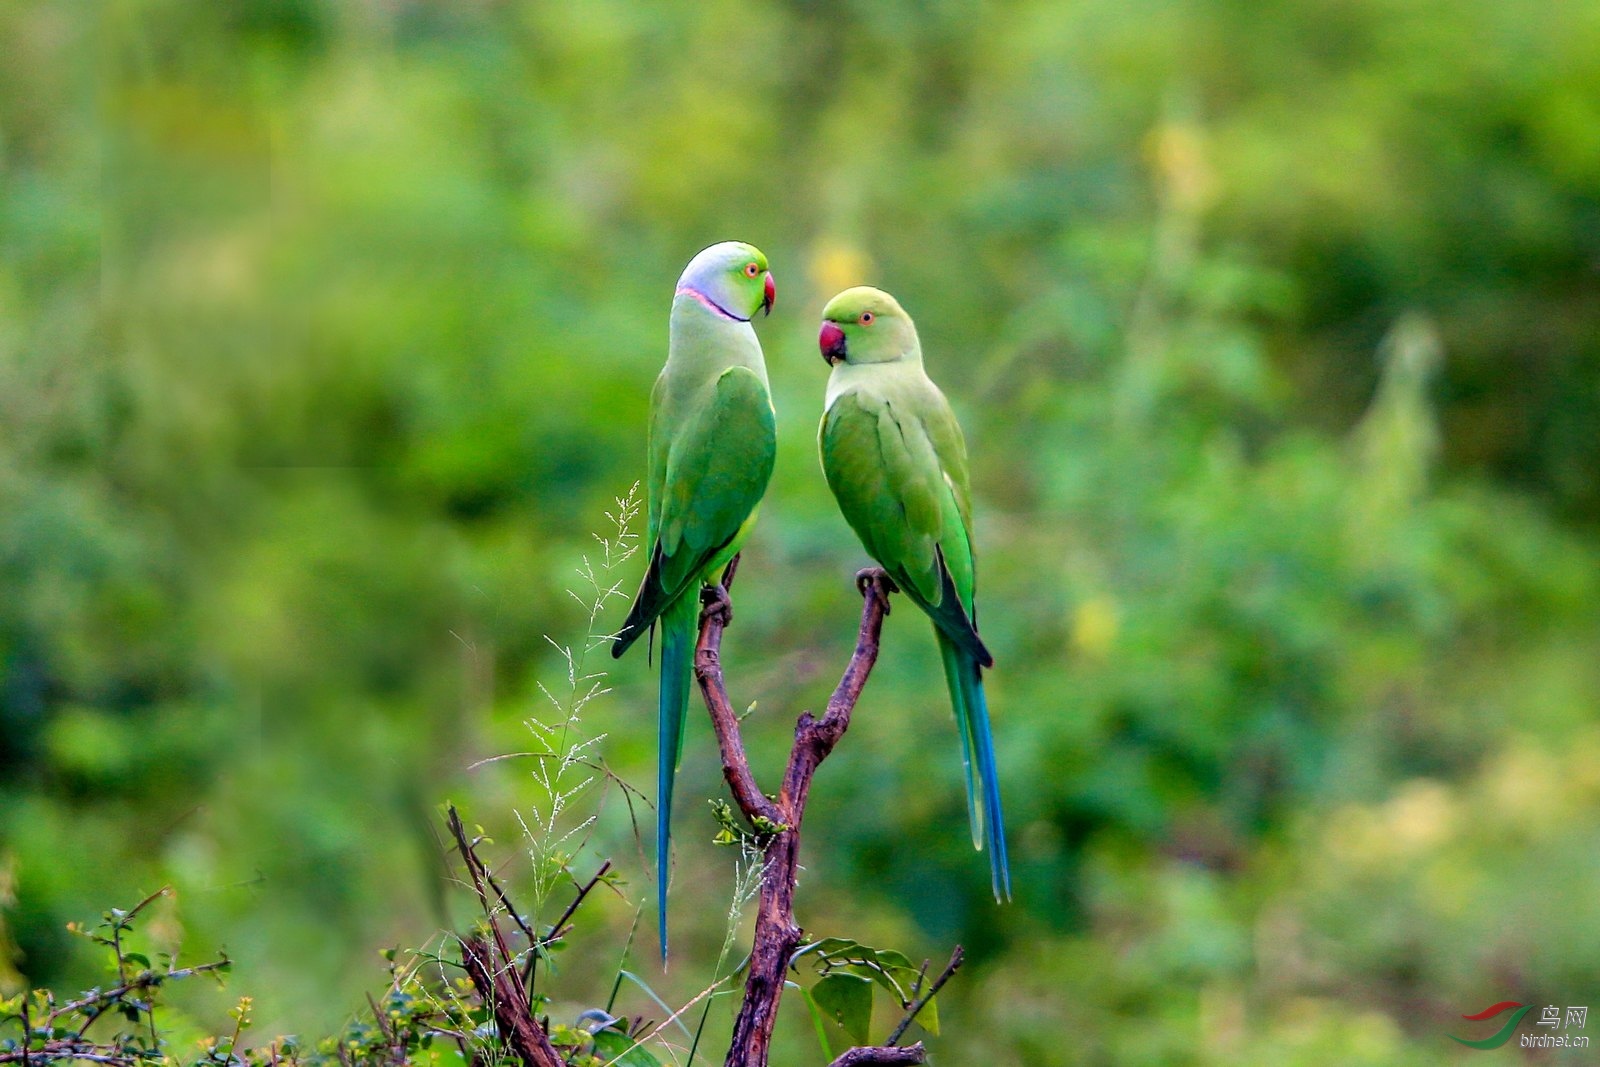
965	680
678	630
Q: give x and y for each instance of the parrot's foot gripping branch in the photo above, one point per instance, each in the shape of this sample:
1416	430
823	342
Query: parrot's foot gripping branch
869	577
777	935
715	603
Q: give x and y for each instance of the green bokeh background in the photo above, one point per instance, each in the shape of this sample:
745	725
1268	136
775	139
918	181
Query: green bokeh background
326	337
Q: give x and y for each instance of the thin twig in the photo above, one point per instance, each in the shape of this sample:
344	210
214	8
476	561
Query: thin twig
557	928
921	1002
510	910
468	856
583	891
66	1051
145	980
397	1047
922	976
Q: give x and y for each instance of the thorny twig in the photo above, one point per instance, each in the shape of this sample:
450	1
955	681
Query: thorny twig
64	1027
921	1001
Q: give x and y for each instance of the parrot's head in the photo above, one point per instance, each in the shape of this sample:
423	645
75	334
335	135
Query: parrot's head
733	278
866	325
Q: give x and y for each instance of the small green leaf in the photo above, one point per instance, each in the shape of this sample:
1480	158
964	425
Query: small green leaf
565	1035
614	1045
895	961
847	999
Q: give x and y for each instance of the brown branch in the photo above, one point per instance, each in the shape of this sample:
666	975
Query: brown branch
397	1047
885	1054
499	987
777	935
488	963
100	1002
708	672
488	876
66	1050
469	856
921	1002
814	738
583	891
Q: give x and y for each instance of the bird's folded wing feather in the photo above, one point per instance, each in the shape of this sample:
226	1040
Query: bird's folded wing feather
714	472
886	463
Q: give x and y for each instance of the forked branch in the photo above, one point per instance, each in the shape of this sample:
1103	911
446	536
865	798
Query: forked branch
777	935
491	965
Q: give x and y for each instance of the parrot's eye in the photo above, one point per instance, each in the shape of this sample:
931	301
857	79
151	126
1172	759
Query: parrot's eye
867	317
751	270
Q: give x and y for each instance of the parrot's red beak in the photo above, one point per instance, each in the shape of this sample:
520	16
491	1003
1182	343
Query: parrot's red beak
770	297
831	341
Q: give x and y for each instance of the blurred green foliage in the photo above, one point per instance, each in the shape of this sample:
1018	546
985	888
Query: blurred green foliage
326	335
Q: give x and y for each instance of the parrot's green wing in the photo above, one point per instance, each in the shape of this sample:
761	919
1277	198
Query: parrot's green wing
897	466
707	476
716	474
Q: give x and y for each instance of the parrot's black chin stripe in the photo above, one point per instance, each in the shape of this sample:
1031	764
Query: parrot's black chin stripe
710	303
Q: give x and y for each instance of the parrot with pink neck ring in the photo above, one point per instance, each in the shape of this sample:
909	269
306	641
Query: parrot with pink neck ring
712	443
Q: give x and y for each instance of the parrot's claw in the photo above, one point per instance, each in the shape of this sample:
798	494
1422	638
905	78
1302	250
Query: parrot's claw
869	577
716	605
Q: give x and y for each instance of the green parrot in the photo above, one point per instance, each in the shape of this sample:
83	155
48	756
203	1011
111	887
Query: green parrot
712	443
896	462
